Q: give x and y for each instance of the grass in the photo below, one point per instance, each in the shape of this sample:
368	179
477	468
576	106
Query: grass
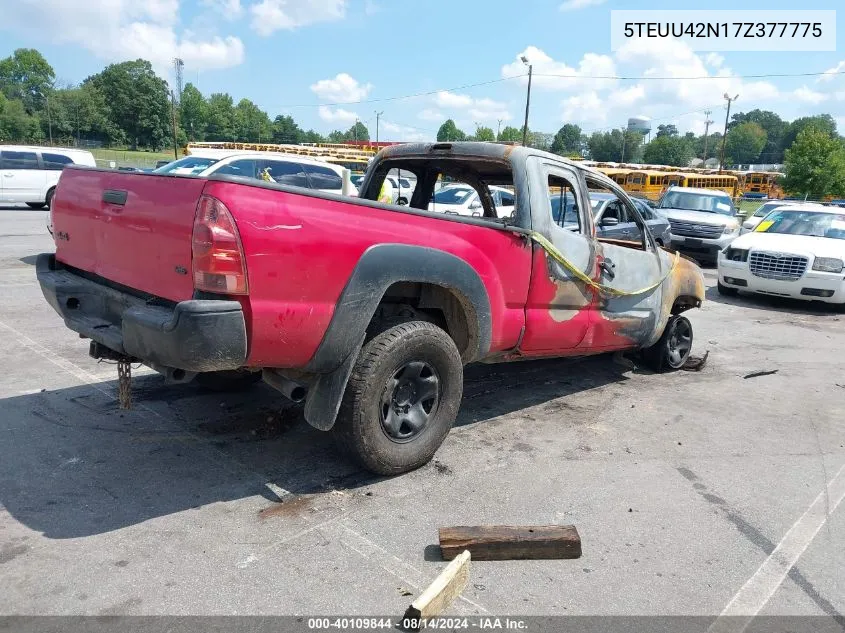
133	158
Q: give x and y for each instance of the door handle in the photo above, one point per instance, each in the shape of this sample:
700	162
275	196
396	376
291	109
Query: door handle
9	175
608	268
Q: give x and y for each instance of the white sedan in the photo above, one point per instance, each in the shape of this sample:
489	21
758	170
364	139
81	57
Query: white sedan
797	251
765	209
462	199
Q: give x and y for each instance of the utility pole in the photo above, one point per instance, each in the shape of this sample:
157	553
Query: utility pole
707	123
178	65
378	116
173	119
77	124
499	129
624	135
49	117
355	130
527	101
725	136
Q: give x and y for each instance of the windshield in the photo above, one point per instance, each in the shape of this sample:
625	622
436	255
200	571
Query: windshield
813	223
187	165
452	195
765	209
596	204
697	202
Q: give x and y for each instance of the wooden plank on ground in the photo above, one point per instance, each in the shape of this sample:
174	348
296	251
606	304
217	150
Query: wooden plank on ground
511	542
443	591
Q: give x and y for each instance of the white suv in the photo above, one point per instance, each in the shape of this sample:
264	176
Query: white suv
30	174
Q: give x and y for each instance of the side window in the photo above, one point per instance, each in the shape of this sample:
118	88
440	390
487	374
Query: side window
508	199
282	172
645	211
564	204
245	168
323	177
18	160
628	212
55	161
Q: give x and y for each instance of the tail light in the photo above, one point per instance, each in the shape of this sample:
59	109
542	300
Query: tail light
218	255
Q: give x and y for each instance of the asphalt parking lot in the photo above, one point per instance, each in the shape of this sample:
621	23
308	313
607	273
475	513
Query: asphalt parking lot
694	493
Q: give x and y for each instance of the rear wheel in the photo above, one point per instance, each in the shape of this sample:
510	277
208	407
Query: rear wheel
402	398
726	290
403	201
673	349
49	200
36	205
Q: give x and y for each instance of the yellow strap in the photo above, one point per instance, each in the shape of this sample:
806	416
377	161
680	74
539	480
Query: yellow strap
556	255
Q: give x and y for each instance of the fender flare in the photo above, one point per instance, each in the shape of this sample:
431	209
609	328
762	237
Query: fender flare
378	268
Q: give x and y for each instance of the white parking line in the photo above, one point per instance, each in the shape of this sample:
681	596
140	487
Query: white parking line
759	589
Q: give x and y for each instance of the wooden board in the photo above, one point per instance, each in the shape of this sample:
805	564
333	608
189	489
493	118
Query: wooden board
443	591
511	542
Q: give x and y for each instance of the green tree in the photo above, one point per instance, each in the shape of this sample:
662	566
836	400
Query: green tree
251	123
483	133
193	112
668	150
608	146
775	128
509	134
285	130
138	102
540	140
221	117
26	76
16	125
666	130
358	132
821	122
312	136
567	140
815	165
336	136
450	132
744	143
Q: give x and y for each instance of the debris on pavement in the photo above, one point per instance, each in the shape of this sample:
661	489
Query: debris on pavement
757	374
511	542
696	363
620	359
440	593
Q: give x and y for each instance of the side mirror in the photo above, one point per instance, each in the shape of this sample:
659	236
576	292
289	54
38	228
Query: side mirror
475	204
609	222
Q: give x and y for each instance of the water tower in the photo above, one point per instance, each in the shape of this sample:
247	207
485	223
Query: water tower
641	124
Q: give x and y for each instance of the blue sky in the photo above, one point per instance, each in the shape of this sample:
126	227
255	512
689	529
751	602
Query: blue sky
296	56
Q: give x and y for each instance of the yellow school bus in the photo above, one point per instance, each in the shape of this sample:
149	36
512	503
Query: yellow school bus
723	182
616	175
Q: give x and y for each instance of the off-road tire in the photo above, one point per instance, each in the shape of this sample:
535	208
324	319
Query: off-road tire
223	381
661	356
49	200
360	431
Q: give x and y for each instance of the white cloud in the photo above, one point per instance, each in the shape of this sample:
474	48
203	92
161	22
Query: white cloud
478	109
572	5
430	114
585	107
831	73
446	99
119	30
807	95
714	59
594	71
342	88
269	16
398	132
370	7
229	9
337	115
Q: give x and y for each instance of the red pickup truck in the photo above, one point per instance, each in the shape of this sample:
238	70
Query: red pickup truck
365	311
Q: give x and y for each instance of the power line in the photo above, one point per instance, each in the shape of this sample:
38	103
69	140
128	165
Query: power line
647	78
397	98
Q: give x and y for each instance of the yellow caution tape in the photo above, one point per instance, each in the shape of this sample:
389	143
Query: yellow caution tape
556	255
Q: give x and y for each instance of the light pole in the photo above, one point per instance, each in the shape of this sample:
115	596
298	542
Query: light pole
378	116
527	101
624	131
707	123
499	129
49	117
725	135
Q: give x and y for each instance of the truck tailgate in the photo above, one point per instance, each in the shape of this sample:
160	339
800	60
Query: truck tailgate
130	228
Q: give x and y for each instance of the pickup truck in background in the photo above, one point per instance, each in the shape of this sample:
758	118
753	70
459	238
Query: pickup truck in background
365	311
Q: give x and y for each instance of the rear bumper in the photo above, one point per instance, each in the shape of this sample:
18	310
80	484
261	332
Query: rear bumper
195	335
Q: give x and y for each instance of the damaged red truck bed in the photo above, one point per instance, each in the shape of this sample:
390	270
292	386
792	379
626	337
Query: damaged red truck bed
367	311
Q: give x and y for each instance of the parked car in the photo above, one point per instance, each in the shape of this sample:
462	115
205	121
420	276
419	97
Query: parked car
460	199
763	210
702	221
30	174
162	163
796	251
365	311
612	219
284	169
127	168
403	189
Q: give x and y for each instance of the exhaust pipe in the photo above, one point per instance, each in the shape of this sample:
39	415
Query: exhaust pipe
292	390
